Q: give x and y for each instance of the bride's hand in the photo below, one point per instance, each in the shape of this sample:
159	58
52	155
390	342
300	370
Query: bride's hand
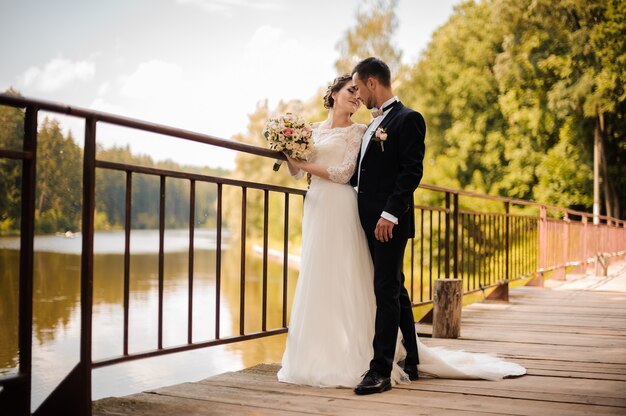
298	164
294	165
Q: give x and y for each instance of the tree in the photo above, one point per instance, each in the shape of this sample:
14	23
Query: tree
11	137
371	36
259	169
512	93
570	52
58	195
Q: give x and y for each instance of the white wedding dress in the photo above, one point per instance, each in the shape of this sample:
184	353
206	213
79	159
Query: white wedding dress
329	343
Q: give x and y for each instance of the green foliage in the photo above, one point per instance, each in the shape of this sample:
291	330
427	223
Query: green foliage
58	193
372	36
11	131
111	194
512	91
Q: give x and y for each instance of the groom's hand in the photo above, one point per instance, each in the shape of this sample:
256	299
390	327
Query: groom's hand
383	231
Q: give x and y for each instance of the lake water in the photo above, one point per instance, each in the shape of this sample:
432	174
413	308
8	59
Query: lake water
56	309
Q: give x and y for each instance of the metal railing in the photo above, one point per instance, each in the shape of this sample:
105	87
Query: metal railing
512	240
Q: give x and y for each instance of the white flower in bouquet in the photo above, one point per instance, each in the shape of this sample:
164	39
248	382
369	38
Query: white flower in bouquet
291	134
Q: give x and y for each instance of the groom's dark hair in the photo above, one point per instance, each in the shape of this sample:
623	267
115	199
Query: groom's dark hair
375	68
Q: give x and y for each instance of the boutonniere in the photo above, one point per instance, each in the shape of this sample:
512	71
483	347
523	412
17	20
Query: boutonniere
380	136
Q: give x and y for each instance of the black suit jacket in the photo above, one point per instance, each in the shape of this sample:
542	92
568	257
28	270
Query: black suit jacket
390	175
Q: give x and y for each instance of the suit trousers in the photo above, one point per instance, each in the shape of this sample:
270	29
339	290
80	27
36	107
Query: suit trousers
393	305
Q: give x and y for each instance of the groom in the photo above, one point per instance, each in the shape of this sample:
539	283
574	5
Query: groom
389	171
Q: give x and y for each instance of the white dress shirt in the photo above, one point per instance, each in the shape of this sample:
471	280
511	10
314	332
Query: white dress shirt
366	140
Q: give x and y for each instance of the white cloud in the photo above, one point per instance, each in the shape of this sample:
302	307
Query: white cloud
165	93
56	74
288	69
228	6
104	88
99	104
152	79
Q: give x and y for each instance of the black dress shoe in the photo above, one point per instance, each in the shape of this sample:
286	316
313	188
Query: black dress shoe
411	371
373	382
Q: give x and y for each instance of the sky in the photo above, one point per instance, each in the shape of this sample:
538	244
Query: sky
200	65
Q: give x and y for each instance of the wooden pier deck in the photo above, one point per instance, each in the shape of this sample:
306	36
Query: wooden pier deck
571	336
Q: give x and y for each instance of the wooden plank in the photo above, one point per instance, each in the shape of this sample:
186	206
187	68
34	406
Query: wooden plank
487	326
149	404
273	395
527	384
444	399
605	320
471	332
547	389
574	369
536	351
580	307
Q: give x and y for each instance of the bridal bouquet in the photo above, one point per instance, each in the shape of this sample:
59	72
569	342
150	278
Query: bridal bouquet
289	133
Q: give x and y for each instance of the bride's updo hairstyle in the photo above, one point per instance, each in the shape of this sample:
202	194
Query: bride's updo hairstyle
337	85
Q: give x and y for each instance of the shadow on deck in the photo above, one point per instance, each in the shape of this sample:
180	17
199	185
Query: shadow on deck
571	336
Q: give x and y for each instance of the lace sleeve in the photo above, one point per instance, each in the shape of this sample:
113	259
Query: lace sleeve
343	172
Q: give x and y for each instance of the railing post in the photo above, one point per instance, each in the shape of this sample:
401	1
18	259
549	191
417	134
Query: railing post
15	397
242	276
501	292
623	245
285	258
29	178
507	243
562	270
72	397
447	237
89	186
542	245
455	249
585	256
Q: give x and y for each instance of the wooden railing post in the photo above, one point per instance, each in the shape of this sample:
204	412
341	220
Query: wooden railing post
447	304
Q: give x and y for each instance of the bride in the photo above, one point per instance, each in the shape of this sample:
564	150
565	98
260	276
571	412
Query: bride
329	343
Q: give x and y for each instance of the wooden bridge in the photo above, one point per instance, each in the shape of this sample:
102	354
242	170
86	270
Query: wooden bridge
570	335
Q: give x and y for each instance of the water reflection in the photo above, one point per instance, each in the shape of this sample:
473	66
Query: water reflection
56	310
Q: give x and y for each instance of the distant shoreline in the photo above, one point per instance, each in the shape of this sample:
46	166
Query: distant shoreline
112	242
